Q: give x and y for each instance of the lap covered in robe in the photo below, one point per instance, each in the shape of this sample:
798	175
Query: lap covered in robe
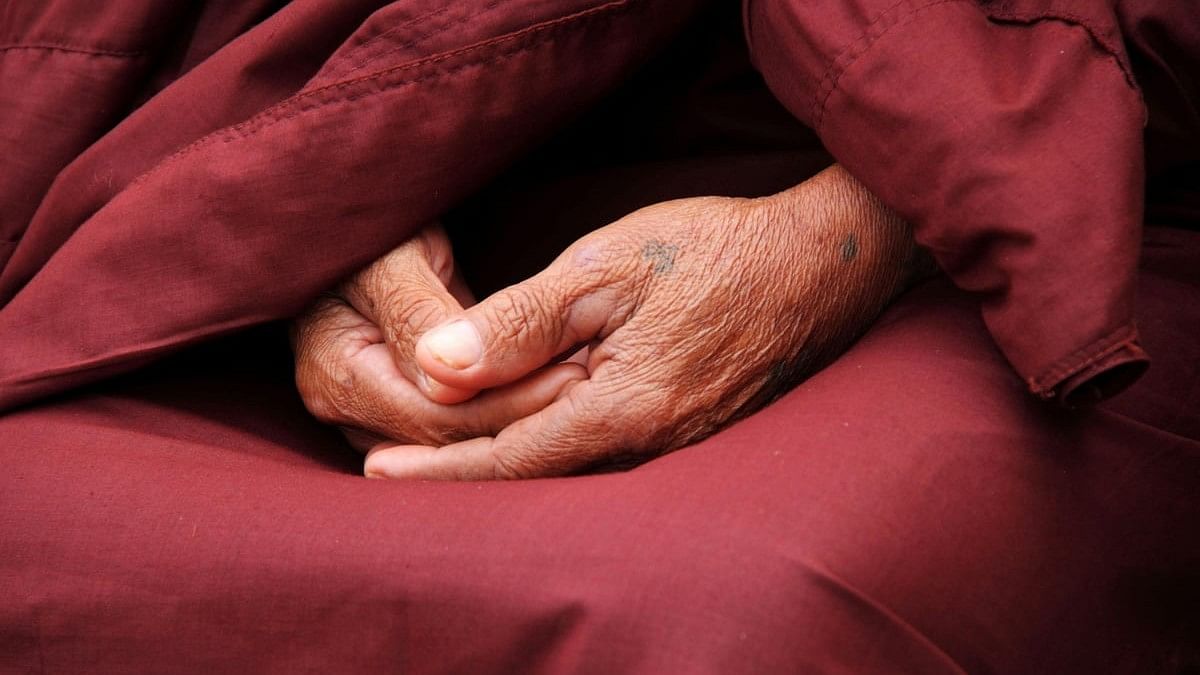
180	177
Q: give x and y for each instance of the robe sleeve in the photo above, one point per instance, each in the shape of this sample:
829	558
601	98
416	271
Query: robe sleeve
229	199
1010	135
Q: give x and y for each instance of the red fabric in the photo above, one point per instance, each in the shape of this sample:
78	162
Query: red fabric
910	509
70	72
211	207
1010	134
1015	147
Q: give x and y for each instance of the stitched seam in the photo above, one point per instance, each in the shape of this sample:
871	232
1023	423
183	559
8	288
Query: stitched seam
71	50
1088	355
423	38
1084	357
311	99
117	356
370	41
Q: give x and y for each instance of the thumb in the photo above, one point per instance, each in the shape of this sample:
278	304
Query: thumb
521	328
406	292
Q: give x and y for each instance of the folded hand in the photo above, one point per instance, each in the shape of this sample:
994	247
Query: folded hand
697	312
354	356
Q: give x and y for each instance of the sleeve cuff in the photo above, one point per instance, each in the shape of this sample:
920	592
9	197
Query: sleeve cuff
1096	373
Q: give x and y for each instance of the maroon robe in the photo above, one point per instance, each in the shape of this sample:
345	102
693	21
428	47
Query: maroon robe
176	173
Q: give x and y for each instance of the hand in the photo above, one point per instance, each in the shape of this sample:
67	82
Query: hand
698	312
354	356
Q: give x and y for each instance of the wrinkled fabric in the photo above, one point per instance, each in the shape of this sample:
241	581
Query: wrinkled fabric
179	172
923	519
212	207
1013	142
1010	134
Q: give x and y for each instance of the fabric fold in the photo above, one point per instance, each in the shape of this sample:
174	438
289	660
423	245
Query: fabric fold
1010	135
242	226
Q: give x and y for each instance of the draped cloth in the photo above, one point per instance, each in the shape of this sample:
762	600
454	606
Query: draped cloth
179	178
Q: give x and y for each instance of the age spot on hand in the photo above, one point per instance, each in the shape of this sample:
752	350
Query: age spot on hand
661	254
850	248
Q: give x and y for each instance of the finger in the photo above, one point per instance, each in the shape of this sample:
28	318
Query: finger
582	296
346	377
327	334
378	399
330	316
573	433
466	461
407	292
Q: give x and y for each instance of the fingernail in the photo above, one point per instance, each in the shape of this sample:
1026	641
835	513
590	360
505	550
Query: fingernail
382	465
371	467
456	344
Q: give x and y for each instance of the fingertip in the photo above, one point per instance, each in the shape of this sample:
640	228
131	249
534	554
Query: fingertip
371	464
389	462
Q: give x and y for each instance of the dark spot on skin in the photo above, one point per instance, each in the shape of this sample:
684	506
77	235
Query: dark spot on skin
661	254
850	248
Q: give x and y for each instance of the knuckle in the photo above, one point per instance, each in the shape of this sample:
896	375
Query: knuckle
330	391
326	386
409	315
522	312
506	466
315	377
327	404
306	379
611	259
316	401
340	399
373	285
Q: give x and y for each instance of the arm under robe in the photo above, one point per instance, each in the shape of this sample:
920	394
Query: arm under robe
1010	134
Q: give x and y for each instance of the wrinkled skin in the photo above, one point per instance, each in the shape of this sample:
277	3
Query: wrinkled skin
695	312
354	355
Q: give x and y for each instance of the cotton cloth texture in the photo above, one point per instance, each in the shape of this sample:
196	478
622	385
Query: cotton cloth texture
961	492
